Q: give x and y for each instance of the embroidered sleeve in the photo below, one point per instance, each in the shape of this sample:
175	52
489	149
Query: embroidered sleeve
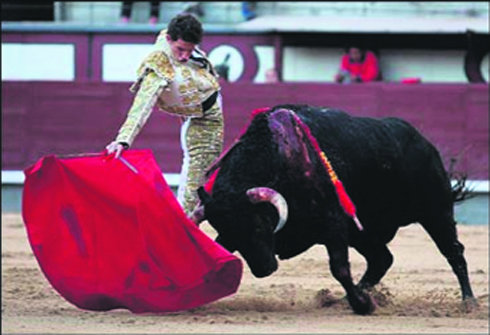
156	62
150	88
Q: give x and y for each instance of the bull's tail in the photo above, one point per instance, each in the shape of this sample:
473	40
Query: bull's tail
459	189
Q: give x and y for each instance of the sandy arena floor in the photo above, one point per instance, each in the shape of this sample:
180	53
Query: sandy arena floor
419	294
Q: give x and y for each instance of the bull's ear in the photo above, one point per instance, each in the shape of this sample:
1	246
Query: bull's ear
203	195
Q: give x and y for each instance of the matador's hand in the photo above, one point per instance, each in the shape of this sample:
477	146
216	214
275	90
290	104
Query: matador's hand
115	147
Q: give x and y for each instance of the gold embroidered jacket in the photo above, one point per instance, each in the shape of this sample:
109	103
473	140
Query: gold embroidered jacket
175	87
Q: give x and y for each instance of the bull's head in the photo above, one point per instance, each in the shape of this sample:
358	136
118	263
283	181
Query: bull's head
247	224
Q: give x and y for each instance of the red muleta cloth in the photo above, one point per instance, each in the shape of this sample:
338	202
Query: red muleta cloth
108	237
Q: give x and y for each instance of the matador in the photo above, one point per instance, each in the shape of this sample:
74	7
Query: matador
179	79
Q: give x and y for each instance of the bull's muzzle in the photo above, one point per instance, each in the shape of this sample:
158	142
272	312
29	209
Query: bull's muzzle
265	194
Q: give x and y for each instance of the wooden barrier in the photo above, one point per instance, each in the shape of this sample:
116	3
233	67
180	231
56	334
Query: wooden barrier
41	118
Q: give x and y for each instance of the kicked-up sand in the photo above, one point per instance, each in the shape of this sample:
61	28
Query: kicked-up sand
419	294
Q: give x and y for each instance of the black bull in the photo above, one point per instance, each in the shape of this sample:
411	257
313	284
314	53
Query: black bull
272	174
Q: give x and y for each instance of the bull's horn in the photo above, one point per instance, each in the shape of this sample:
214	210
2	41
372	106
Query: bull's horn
265	194
198	215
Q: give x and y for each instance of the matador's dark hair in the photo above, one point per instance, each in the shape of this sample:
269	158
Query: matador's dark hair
186	27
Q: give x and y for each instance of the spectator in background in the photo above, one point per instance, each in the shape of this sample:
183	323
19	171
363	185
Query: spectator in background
248	10
127	7
271	76
358	65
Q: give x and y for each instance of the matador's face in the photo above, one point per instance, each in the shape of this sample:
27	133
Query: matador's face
181	50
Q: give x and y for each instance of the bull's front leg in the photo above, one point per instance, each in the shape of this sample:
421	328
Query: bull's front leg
360	301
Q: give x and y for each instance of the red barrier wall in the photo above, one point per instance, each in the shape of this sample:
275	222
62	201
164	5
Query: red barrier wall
40	118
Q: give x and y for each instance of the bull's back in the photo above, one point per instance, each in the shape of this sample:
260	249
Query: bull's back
390	170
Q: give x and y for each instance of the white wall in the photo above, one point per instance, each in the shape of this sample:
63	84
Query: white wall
43	61
321	64
485	67
428	65
302	64
121	61
21	62
265	56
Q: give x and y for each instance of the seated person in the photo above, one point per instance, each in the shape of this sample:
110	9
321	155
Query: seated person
358	66
271	76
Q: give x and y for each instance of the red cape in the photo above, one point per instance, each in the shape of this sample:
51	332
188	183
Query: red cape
109	234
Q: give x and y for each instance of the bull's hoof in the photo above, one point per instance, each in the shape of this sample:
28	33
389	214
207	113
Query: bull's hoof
363	304
380	294
470	304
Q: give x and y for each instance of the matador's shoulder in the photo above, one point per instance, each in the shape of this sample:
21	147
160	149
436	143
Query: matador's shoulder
158	62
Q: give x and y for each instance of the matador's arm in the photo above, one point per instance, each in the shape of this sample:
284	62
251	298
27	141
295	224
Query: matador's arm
155	74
